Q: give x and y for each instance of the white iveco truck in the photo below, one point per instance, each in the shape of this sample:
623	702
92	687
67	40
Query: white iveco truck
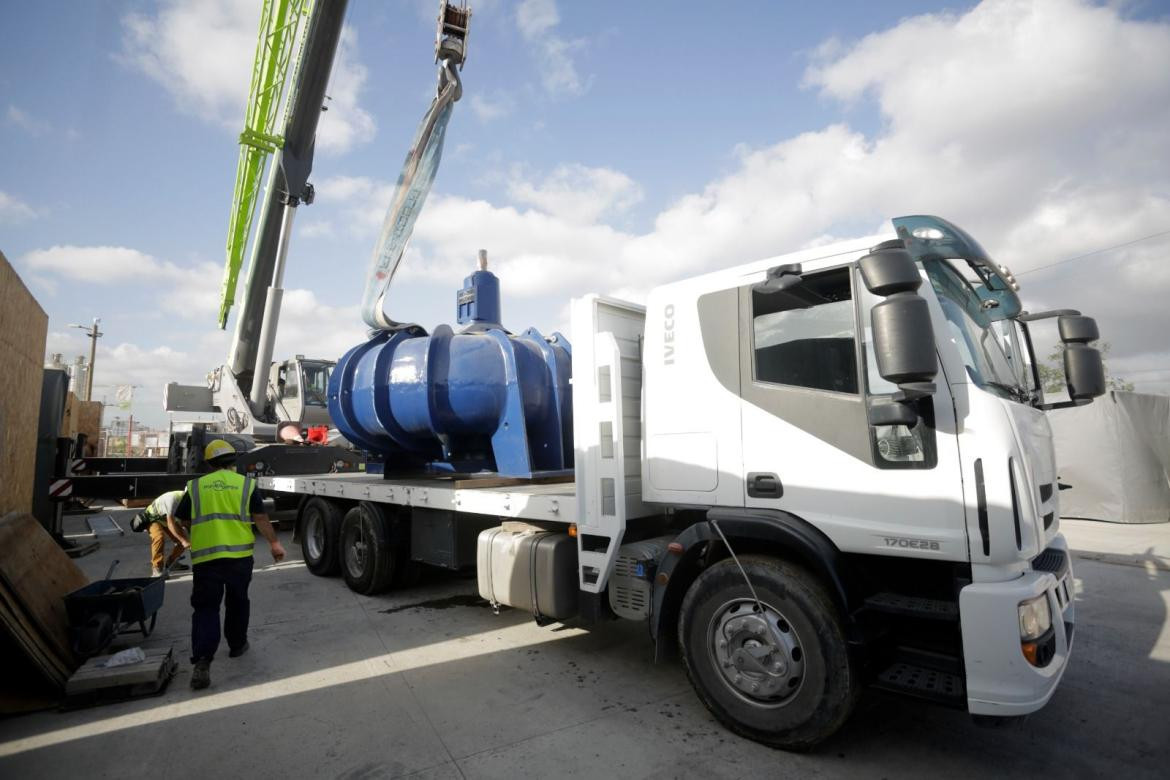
809	474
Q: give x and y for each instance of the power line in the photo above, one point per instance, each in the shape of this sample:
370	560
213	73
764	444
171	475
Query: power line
1095	252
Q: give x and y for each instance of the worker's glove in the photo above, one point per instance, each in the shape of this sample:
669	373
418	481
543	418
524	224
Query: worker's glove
277	552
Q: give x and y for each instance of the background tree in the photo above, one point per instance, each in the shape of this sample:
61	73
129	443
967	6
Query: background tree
1052	373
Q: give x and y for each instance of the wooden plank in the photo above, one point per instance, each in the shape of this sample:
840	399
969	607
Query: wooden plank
93	676
136	503
37	575
23	326
498	481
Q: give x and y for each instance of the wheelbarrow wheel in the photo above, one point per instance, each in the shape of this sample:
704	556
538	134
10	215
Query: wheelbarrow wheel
95	635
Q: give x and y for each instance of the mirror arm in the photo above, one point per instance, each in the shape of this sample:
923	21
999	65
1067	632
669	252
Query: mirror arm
1044	315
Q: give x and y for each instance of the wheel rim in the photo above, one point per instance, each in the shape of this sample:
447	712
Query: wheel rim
757	655
315	535
356	551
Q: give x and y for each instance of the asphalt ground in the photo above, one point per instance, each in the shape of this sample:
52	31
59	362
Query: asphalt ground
429	682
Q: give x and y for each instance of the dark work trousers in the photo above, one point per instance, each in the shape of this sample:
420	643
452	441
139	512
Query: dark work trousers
212	581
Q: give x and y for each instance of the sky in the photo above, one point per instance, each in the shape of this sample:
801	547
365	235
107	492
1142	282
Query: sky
599	147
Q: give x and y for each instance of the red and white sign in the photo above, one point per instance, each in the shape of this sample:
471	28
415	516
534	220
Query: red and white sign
60	488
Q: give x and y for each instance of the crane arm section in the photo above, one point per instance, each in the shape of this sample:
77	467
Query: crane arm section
279	23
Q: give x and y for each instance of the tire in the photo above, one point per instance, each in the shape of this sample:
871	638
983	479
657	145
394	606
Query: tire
366	553
806	692
321	536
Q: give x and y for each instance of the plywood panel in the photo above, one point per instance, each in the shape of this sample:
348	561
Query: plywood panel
88	419
23	327
37	575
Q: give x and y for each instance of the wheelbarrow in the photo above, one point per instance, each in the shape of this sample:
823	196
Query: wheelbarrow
107	608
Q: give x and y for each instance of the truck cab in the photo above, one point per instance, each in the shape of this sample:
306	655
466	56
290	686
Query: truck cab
891	412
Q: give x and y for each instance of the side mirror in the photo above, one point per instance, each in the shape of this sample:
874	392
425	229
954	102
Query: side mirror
1083	369
903	337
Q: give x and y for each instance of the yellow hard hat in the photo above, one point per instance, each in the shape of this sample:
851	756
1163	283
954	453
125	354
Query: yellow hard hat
217	448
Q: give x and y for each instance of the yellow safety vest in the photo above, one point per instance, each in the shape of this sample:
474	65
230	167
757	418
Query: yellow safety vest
221	525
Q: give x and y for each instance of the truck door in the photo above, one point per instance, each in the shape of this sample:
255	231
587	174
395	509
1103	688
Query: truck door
806	381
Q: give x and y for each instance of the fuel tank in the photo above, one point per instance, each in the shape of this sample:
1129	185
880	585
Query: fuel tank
480	399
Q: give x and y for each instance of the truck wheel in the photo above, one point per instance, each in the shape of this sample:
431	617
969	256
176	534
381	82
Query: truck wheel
320	535
367	557
782	677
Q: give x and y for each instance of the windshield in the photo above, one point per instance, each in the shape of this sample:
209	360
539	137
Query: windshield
316	384
992	362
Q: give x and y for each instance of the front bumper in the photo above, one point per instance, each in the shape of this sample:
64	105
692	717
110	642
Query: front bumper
1000	681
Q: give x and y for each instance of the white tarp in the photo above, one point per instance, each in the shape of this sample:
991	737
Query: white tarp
1115	453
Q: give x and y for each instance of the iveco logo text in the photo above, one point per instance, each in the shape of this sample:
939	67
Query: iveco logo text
912	544
668	336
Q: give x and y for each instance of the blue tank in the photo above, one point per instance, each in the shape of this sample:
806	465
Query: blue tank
474	400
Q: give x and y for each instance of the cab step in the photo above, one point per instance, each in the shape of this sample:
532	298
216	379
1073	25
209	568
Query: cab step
913	606
923	683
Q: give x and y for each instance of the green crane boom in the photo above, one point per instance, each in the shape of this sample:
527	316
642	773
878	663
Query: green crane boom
279	21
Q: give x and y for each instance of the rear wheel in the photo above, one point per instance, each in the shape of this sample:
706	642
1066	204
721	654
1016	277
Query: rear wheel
320	535
367	554
782	675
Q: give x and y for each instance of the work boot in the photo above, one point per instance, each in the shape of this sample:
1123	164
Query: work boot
238	651
201	675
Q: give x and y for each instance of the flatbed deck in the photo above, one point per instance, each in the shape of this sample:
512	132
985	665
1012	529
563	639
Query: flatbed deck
549	502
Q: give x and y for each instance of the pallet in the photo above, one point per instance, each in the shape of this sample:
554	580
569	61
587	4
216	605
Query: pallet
97	684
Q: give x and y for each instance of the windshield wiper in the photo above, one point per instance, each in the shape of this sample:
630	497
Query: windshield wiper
1016	392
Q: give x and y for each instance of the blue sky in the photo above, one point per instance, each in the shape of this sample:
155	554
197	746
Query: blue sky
598	147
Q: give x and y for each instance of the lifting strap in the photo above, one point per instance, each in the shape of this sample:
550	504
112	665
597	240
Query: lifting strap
414	183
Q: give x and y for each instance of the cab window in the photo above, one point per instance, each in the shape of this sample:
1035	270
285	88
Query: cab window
806	336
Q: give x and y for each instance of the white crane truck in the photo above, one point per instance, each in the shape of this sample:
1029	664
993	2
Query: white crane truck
809	474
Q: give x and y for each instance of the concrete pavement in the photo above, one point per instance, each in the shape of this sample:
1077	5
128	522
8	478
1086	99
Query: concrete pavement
430	683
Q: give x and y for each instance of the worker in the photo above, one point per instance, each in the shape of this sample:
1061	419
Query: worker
160	516
219	509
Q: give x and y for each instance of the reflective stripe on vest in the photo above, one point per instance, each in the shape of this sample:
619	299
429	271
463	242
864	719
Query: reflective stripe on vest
221	525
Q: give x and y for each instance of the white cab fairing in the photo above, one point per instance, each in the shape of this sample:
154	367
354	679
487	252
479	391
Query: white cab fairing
862	508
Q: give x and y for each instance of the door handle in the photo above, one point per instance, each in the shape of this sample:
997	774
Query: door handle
762	484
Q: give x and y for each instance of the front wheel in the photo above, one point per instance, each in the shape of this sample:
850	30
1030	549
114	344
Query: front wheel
782	675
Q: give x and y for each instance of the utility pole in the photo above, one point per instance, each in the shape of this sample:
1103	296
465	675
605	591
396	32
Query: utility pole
94	335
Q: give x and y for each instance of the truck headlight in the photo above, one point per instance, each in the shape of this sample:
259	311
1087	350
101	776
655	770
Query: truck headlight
1035	618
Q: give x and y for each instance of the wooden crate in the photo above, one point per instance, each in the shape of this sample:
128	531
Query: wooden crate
23	328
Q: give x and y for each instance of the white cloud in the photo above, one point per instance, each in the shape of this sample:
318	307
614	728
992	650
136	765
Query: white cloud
346	124
537	21
487	109
13	211
307	326
192	290
363	199
1039	126
577	193
18	117
173	46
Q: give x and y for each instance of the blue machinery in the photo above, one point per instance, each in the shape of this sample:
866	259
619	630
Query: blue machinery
480	399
